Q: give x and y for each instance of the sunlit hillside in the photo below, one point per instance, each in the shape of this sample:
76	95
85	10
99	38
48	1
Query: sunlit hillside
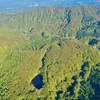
51	53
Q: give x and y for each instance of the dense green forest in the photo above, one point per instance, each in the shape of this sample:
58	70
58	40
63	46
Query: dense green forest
50	53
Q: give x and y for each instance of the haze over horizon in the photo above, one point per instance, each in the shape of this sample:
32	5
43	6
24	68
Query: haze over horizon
15	6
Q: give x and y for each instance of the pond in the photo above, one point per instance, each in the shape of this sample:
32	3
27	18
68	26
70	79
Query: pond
37	81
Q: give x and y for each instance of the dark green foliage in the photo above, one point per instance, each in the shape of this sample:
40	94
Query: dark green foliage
93	42
90	88
98	64
86	92
95	82
58	94
88	18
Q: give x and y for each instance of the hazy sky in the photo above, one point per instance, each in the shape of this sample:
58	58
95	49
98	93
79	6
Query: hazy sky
23	5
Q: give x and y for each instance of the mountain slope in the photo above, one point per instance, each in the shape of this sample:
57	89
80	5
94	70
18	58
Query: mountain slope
50	53
54	18
82	22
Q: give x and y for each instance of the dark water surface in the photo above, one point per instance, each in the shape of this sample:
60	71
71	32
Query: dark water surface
37	82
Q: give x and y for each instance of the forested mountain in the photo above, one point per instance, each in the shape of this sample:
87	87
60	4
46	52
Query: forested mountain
82	23
51	53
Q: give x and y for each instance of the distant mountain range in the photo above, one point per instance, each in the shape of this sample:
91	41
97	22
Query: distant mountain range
15	6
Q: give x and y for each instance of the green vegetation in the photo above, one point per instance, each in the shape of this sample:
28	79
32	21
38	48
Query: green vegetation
59	45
